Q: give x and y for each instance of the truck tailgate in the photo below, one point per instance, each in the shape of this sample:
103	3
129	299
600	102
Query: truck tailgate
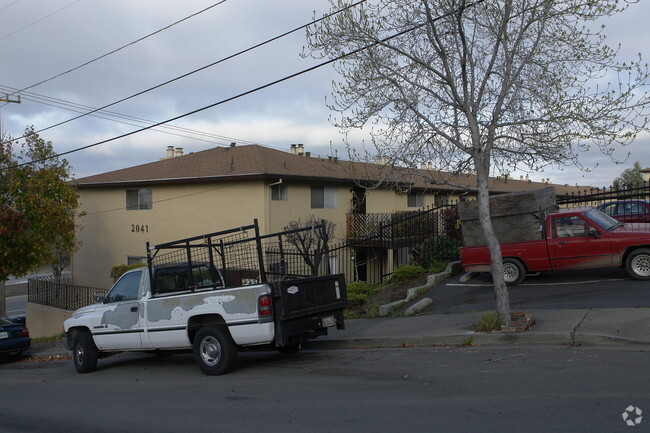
307	307
308	296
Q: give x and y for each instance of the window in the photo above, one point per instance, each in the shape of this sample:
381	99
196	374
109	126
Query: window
610	208
176	278
135	260
323	197
126	289
573	226
279	192
632	208
139	199
415	199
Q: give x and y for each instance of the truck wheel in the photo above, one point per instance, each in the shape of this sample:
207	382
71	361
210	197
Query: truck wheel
214	350
638	264
513	272
84	353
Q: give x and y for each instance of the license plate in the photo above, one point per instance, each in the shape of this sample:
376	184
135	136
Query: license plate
327	321
4	334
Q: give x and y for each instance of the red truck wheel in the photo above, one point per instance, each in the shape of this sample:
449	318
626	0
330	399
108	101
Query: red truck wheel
513	272
638	264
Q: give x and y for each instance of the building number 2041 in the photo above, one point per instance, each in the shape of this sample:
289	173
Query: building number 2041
139	228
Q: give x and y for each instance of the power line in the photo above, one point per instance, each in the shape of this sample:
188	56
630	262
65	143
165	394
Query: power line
248	92
125	119
37	21
268	41
122	47
12	3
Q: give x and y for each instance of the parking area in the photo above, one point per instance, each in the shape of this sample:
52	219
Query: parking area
602	288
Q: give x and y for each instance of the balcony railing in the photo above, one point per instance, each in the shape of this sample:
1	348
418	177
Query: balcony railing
397	228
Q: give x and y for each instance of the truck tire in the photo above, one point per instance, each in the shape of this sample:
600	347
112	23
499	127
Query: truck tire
214	350
637	264
84	352
513	272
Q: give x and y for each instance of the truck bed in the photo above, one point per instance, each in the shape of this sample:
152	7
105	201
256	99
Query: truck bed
533	253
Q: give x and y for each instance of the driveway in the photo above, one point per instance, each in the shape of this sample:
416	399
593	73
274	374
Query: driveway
605	288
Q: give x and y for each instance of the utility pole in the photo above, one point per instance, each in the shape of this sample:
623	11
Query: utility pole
3	294
7	99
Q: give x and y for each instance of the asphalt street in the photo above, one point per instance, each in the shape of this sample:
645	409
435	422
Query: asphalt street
412	389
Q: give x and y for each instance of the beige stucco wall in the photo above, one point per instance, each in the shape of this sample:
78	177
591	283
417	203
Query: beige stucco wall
298	205
110	233
45	321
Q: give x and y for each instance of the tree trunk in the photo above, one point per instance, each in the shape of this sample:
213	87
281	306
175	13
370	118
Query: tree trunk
3	299
500	288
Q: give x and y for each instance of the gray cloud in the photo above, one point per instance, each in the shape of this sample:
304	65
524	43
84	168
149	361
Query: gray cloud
291	112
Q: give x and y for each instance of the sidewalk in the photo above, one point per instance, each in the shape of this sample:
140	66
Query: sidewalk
622	326
612	326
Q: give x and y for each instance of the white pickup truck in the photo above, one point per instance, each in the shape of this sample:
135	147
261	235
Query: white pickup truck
210	294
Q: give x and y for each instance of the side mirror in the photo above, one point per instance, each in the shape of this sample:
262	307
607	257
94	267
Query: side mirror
99	297
594	233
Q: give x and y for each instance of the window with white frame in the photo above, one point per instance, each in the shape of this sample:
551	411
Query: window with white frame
139	199
135	260
279	192
323	197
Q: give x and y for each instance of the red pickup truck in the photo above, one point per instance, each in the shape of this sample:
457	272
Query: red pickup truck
571	239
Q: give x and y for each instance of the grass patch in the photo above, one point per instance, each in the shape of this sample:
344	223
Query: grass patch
364	299
52	339
489	321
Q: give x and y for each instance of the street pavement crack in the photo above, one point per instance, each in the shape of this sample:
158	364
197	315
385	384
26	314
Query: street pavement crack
575	329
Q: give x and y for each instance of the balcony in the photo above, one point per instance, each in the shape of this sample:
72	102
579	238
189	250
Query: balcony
399	229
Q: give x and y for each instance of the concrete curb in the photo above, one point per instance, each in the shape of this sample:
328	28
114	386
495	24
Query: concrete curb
412	293
471	338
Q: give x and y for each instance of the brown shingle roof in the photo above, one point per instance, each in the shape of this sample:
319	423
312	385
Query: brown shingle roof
258	162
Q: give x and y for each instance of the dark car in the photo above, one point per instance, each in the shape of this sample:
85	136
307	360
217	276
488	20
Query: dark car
629	211
14	336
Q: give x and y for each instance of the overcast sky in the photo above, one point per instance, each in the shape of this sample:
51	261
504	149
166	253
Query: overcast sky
40	39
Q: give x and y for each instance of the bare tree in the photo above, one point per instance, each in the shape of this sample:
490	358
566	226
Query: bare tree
312	245
475	87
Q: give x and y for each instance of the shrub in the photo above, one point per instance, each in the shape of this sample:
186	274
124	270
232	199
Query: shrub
489	321
406	273
434	249
437	267
359	291
117	271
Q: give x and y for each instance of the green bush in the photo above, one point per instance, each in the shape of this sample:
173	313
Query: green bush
439	248
359	291
437	267
119	270
489	321
406	273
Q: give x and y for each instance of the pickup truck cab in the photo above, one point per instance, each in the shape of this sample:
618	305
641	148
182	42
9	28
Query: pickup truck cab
570	239
182	300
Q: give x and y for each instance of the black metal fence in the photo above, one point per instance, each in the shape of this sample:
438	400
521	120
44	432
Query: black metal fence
379	243
60	294
598	196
